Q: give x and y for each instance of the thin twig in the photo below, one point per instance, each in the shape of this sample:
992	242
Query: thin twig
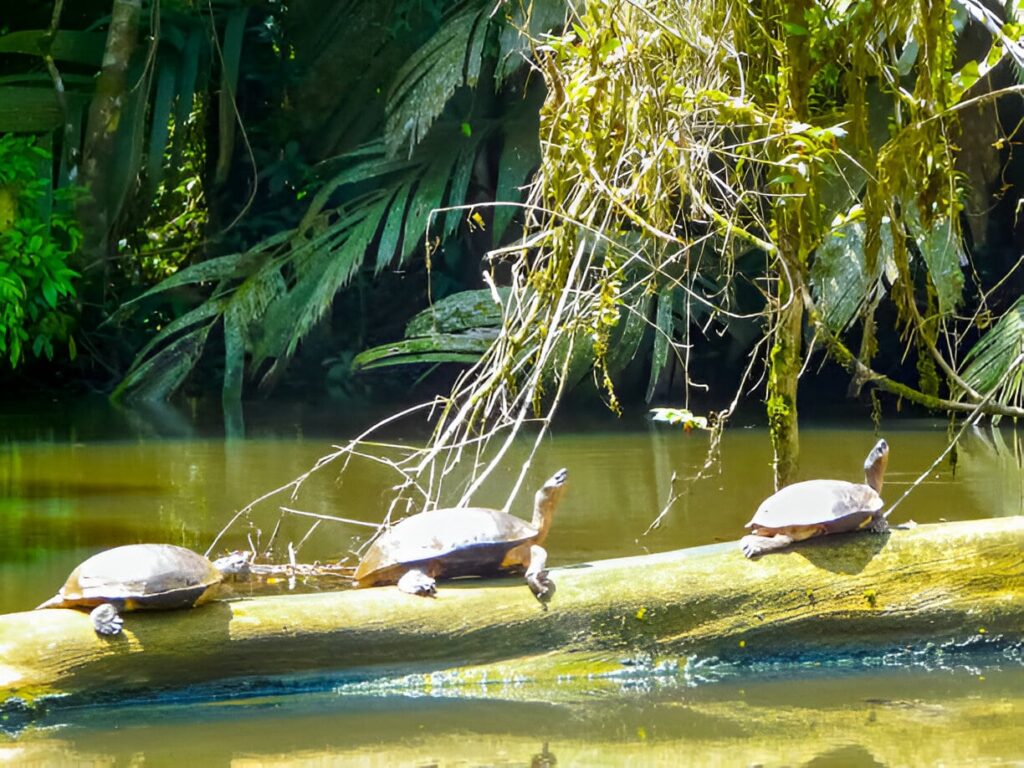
332	518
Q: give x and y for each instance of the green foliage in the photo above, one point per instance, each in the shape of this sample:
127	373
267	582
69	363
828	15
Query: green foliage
36	284
370	207
779	136
681	416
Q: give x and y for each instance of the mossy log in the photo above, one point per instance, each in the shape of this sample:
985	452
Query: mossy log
841	594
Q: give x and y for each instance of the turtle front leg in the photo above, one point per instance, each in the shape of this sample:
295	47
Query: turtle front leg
755	546
879	525
417	582
106	620
543	588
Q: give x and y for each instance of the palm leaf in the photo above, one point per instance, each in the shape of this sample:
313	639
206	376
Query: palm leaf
423	86
663	332
436	348
160	124
66	45
840	277
185	90
520	154
225	267
525	21
159	376
987	363
207	310
232	53
463	311
942	251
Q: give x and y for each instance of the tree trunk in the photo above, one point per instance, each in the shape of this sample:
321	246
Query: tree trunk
99	145
783	376
839	594
793	216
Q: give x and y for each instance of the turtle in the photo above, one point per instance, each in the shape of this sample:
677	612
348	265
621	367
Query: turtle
818	507
464	541
142	577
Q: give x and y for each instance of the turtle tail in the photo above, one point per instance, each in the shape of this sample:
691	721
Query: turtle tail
57	601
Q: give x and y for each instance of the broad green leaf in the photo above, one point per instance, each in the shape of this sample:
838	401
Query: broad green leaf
943	253
231	54
160	123
67	45
520	154
459	312
663	332
840	277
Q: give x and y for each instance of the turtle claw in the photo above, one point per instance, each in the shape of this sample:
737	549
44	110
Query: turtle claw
880	525
543	588
106	620
416	582
755	546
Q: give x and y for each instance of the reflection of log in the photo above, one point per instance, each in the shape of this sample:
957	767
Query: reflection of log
944	719
845	593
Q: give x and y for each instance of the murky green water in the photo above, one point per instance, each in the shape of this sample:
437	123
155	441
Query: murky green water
74	482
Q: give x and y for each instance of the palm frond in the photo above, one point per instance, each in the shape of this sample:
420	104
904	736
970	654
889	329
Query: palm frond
942	249
525	22
423	86
987	363
160	375
840	277
520	155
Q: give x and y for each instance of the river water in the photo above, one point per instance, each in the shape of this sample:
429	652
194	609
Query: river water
77	479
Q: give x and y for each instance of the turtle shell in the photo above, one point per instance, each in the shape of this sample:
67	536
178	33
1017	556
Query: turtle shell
139	576
456	542
814	503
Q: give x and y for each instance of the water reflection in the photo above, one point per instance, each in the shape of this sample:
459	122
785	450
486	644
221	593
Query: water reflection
898	718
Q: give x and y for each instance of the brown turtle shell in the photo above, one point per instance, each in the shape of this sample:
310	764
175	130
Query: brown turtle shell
448	543
139	576
834	504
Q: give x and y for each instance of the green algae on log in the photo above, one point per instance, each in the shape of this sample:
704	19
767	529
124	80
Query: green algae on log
839	594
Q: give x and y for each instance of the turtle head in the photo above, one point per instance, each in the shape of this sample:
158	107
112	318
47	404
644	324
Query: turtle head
874	465
233	563
545	501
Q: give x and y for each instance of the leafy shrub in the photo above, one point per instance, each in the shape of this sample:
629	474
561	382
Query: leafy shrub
36	283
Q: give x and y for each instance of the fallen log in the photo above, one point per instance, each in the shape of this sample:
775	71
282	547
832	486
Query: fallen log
841	594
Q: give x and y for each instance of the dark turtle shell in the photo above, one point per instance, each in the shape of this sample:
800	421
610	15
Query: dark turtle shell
139	576
456	542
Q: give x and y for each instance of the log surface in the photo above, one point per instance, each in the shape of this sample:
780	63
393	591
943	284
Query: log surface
851	593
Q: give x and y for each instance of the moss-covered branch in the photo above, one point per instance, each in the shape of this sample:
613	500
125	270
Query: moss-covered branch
843	593
866	375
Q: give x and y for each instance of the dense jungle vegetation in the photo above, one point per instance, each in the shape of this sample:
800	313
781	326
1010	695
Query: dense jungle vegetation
688	203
